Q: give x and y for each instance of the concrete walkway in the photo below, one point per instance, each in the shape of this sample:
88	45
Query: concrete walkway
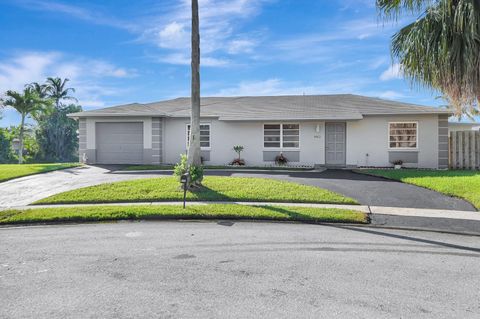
465	222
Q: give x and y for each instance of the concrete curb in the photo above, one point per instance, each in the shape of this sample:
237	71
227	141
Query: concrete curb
374	210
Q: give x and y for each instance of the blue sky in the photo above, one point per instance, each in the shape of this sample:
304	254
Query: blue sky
117	51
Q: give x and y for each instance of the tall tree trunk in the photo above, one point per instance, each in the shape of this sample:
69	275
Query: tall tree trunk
20	137
194	153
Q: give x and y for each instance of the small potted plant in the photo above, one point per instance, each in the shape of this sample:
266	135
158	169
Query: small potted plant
281	160
398	164
238	161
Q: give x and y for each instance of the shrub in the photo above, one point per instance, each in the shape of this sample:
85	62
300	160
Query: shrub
238	161
196	172
281	160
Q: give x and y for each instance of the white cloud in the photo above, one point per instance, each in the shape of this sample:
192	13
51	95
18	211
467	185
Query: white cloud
77	12
237	46
391	95
219	20
393	72
275	86
87	76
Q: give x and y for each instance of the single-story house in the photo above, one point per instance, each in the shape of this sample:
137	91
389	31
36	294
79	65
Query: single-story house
325	130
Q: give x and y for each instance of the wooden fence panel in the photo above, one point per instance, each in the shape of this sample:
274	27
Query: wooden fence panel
464	150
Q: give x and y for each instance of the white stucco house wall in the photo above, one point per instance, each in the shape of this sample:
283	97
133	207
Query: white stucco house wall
325	130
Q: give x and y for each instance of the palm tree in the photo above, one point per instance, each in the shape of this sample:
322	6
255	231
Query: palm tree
41	89
441	49
26	103
194	152
56	90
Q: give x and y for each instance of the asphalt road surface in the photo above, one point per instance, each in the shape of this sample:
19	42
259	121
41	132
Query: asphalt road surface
241	270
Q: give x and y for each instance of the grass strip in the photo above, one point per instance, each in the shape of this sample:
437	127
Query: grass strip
166	212
11	171
215	188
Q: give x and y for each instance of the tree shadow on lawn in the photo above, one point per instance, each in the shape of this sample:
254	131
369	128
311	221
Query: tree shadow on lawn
296	216
207	194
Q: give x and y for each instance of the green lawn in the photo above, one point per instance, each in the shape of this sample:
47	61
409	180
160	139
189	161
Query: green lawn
225	211
11	171
214	189
170	167
462	184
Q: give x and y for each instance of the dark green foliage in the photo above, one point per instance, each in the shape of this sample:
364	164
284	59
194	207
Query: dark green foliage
57	135
196	172
440	50
6	152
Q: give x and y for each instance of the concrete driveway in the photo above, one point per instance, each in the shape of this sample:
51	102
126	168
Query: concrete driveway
368	190
236	270
26	190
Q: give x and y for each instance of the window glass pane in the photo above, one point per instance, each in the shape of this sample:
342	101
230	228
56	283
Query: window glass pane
204	135
271	138
271	135
291	135
270	144
272	126
403	135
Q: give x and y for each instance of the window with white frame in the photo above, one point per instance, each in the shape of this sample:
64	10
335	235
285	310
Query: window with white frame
204	135
403	135
281	135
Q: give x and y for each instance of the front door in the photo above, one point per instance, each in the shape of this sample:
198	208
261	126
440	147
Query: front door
335	144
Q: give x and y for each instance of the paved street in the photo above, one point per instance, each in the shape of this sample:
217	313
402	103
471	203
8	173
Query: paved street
225	269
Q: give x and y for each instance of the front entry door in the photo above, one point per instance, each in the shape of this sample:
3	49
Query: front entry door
335	144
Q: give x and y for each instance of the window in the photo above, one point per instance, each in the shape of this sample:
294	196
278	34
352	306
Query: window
403	135
281	135
204	135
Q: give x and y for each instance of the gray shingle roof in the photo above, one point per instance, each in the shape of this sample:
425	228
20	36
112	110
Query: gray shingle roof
297	107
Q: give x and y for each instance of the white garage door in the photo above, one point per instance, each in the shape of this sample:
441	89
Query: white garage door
119	143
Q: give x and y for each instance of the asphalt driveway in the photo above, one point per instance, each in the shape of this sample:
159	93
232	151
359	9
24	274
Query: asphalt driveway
368	190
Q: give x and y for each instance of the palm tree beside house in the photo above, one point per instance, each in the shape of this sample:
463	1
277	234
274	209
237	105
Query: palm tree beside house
41	89
56	89
56	133
28	103
194	152
441	49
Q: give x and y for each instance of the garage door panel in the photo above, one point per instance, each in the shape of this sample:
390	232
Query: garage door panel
119	142
126	148
123	138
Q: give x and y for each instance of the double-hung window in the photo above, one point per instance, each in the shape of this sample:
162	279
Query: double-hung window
403	135
281	135
204	135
